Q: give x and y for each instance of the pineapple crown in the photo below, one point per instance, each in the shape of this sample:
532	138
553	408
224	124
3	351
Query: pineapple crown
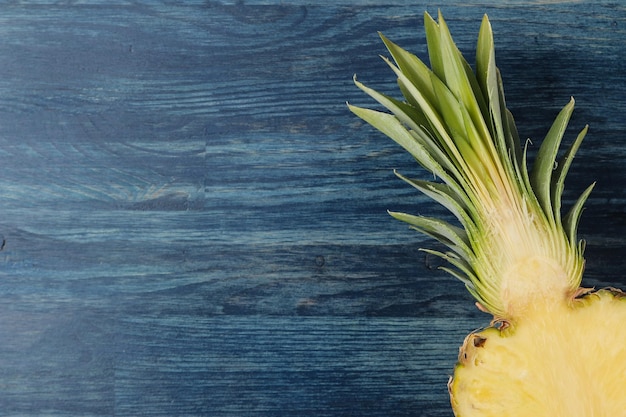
454	121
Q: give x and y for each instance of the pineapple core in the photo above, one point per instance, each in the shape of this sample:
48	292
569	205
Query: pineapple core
533	283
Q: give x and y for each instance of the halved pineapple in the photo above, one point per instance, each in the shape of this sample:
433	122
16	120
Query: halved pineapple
554	348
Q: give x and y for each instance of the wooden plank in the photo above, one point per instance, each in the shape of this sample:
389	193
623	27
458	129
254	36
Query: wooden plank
248	365
194	224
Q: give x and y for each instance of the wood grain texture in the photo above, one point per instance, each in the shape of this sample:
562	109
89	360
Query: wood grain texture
194	224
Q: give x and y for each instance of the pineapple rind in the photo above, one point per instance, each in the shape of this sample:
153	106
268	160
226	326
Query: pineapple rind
570	361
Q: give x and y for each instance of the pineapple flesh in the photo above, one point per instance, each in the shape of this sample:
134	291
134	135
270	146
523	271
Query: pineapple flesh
553	348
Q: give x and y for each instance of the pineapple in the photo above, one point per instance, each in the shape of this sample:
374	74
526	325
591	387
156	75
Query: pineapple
553	348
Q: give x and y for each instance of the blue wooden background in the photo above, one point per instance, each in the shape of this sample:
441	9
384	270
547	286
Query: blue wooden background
193	224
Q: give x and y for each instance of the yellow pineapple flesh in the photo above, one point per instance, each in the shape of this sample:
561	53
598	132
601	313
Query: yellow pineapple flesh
568	360
553	348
